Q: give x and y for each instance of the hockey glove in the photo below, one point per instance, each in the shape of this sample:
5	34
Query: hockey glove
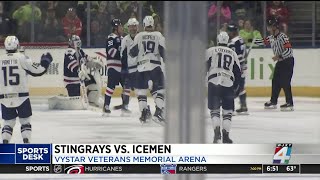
46	60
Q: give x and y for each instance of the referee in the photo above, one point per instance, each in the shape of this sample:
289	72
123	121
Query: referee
283	71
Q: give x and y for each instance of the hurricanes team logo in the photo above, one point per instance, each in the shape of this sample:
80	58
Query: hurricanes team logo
74	169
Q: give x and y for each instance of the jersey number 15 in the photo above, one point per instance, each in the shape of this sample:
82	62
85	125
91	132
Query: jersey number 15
12	78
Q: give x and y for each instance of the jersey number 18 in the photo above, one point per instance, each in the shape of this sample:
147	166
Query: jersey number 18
12	78
226	61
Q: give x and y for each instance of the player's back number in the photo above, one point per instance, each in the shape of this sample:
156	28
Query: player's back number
224	61
149	46
10	75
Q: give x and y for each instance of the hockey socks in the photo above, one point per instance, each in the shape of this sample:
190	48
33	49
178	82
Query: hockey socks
7	130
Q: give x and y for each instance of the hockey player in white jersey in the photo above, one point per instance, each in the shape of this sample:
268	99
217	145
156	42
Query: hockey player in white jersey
14	91
149	47
223	72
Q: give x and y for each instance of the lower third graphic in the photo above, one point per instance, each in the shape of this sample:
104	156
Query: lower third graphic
168	168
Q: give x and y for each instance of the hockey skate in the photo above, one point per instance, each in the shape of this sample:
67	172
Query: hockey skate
149	115
117	107
143	117
217	136
287	107
106	111
243	110
158	117
270	105
26	141
225	137
125	111
5	142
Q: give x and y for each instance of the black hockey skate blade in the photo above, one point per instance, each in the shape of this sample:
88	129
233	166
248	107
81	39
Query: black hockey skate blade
117	107
156	120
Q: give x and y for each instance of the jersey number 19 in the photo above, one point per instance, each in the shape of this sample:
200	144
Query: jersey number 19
148	46
10	76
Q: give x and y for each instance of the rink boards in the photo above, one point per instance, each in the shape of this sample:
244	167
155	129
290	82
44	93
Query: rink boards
305	81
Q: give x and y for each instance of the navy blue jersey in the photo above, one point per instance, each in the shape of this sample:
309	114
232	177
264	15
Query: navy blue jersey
113	52
71	66
237	45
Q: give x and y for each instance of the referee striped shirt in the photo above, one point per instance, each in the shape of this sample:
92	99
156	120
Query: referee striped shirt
280	45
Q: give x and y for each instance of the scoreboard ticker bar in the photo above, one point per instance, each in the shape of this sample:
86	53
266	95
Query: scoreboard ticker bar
156	169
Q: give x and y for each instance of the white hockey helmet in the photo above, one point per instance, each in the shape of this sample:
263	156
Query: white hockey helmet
148	21
223	38
11	43
133	22
75	41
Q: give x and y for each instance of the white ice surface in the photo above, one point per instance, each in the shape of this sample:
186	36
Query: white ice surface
86	127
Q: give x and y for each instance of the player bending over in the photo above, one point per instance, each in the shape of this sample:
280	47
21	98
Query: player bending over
79	68
116	72
149	47
224	74
14	91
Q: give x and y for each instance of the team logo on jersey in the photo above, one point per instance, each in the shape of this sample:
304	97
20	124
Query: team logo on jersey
74	169
282	153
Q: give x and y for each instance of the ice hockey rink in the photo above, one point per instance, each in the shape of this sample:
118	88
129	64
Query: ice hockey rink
88	127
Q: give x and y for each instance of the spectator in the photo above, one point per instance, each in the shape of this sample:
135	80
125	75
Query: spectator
98	37
241	10
248	33
52	29
241	23
279	10
72	25
102	16
225	13
6	23
23	16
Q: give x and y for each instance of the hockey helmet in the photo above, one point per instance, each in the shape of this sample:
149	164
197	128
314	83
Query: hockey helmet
273	21
11	43
232	27
148	21
223	38
133	22
115	23
75	41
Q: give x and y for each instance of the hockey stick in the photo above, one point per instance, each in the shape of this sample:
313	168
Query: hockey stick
85	100
248	52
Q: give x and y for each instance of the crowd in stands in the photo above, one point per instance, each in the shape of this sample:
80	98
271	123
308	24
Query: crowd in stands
55	21
247	15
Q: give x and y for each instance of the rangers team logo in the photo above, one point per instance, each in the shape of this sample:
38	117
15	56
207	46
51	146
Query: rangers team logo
168	168
282	153
74	169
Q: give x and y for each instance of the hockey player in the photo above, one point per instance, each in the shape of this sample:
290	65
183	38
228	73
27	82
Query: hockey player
116	73
149	47
237	44
129	63
223	72
14	91
76	71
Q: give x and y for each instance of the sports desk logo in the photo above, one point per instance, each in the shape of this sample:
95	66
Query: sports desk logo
168	168
282	154
74	169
